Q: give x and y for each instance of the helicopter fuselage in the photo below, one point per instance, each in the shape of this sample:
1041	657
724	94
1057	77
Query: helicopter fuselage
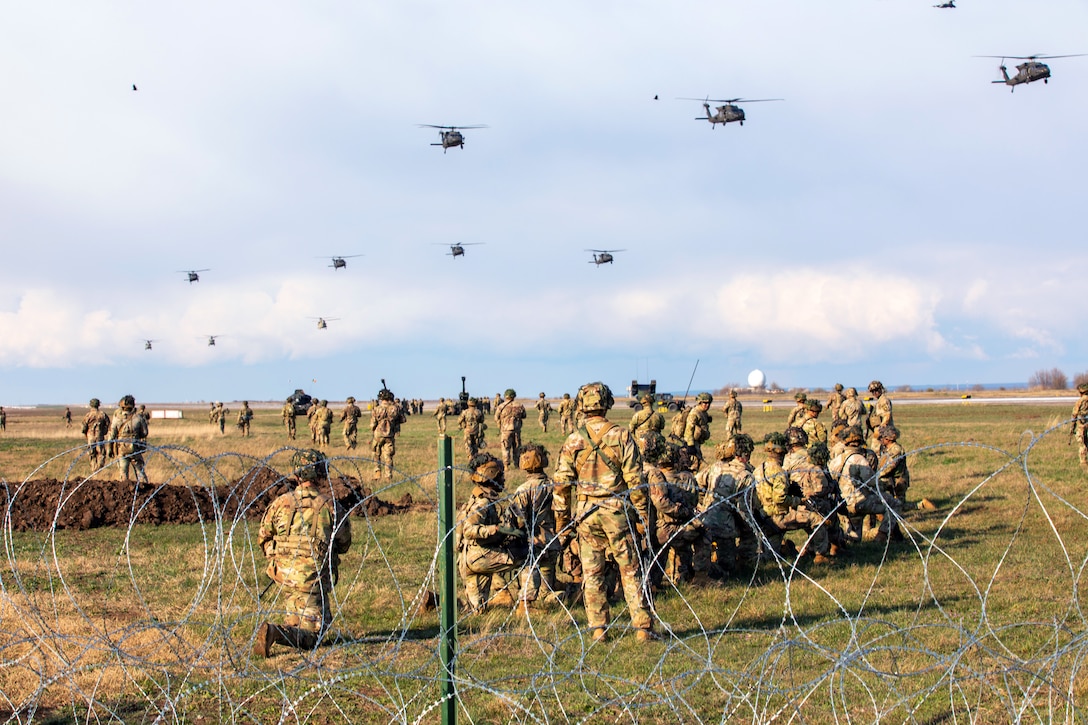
724	114
1025	73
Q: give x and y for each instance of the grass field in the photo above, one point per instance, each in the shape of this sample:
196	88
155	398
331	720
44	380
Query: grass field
979	618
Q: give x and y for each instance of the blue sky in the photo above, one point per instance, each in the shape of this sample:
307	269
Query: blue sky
896	217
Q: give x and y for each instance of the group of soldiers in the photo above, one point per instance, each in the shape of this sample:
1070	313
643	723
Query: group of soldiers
122	437
629	506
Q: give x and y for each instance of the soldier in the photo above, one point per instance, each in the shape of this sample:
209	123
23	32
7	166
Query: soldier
3	418
385	423
806	469
349	416
733	411
288	414
834	401
67	417
530	510
471	421
213	414
245	417
303	535
323	423
221	413
96	425
797	412
697	425
544	412
509	416
598	482
144	413
852	409
676	528
880	413
646	420
857	485
716	550
892	466
812	427
785	503
440	416
485	542
1079	427
566	414
128	439
498	401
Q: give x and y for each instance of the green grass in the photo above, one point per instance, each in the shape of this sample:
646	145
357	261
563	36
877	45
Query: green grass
979	616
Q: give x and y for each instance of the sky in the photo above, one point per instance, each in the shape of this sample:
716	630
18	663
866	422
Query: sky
897	216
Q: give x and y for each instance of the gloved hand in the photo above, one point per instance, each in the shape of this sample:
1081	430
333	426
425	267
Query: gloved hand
509	531
640	528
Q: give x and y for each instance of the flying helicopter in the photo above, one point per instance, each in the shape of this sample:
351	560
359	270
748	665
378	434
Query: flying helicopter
341	262
193	274
951	4
729	112
1029	71
603	256
147	344
322	322
458	250
211	340
450	135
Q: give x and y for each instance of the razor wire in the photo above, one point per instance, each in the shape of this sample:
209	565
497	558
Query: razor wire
140	617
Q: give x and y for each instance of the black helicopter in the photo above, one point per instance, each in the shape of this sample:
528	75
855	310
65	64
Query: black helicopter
322	322
211	340
192	273
950	5
147	344
603	256
451	135
728	113
1029	71
458	250
341	262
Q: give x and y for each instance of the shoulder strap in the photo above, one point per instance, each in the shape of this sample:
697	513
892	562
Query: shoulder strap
608	456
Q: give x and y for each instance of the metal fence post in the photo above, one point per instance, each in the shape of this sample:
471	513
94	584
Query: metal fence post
447	597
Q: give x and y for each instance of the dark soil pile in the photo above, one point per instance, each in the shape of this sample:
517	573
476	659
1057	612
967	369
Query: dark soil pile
86	504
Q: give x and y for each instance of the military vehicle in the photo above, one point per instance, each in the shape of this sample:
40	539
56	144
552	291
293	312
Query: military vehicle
728	113
301	401
451	135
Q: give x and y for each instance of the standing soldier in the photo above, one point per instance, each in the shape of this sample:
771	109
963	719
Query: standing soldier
349	416
530	510
288	415
221	412
303	535
440	416
647	419
834	401
67	417
509	416
128	438
471	421
245	417
3	418
323	423
544	409
213	414
797	412
96	425
812	427
852	409
598	486
880	413
498	401
697	425
1079	427
385	422
733	411
566	414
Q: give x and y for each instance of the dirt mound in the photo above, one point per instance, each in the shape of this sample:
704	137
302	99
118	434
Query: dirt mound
87	504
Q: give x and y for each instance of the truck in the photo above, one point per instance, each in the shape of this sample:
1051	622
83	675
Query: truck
301	401
663	402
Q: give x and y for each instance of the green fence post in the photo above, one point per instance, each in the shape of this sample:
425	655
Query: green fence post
447	597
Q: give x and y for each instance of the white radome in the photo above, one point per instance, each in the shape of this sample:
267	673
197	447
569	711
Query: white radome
756	379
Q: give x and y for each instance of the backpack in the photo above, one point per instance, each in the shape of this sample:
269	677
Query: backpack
679	422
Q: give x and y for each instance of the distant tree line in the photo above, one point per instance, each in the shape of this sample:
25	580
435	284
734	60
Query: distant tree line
1055	379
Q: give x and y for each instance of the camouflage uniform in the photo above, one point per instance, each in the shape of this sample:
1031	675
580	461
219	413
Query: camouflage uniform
349	416
834	401
892	464
797	413
3	418
716	551
303	535
733	410
598	482
288	414
128	439
566	414
783	505
509	416
697	425
67	417
440	415
544	412
530	510
812	427
852	409
311	418
482	536
323	423
245	416
647	419
385	423
96	425
1079	427
853	471
471	421
880	413
676	529
213	414
221	413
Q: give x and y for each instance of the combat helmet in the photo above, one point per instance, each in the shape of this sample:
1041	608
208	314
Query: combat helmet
704	398
487	471
472	402
818	454
796	436
647	400
876	387
1083	388
800	397
649	444
668	456
351	399
127	403
532	457
814	405
733	393
542	395
324	403
510	394
310	465
838	387
888	432
775	442
743	445
595	398
95	402
566	396
852	436
385	394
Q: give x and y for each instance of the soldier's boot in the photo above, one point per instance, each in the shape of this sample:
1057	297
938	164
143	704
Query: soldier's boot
268	635
600	634
502	598
926	505
822	559
524	608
